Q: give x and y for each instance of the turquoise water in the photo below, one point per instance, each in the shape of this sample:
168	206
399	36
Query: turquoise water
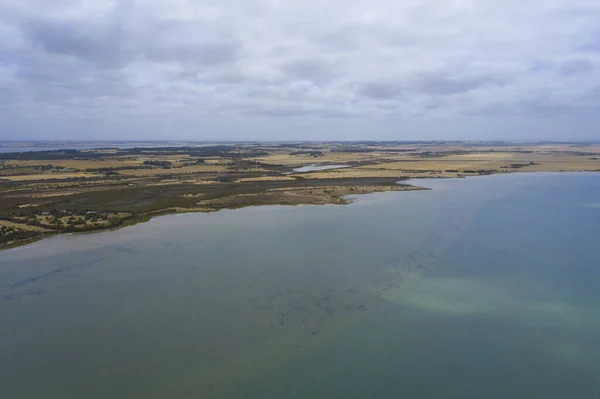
482	287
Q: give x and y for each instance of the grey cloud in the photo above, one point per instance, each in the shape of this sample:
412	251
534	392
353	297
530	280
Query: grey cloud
591	43
537	106
592	96
380	90
341	40
448	85
309	69
576	67
200	43
206	54
371	61
112	44
437	83
60	38
77	38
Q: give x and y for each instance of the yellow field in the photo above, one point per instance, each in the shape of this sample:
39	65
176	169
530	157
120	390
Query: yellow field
109	162
49	176
352	173
437	165
168	182
182	170
328	157
480	156
266	178
21	226
53	194
106	162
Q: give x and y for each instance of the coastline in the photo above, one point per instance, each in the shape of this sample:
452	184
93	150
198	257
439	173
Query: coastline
340	195
46	193
314	196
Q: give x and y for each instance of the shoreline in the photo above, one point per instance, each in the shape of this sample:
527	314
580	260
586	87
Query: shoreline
47	193
285	197
339	198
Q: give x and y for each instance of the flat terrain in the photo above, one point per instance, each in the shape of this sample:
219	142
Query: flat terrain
50	192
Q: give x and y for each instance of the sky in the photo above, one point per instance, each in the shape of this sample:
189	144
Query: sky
300	69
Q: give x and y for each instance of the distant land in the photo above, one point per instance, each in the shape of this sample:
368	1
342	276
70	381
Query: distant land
54	187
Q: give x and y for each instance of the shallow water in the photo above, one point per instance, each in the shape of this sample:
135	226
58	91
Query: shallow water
483	287
315	168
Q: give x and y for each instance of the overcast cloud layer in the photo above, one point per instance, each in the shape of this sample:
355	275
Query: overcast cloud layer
300	69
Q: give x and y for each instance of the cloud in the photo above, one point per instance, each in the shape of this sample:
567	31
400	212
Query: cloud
576	67
317	70
448	85
74	38
268	64
380	90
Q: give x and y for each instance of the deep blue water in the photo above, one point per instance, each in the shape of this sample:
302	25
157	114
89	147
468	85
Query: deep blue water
480	288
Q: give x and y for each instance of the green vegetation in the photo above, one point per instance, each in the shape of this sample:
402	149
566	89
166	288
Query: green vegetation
11	235
314	154
162	164
227	151
519	165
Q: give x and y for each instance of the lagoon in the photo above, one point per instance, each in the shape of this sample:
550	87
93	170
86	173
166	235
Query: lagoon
316	168
481	287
